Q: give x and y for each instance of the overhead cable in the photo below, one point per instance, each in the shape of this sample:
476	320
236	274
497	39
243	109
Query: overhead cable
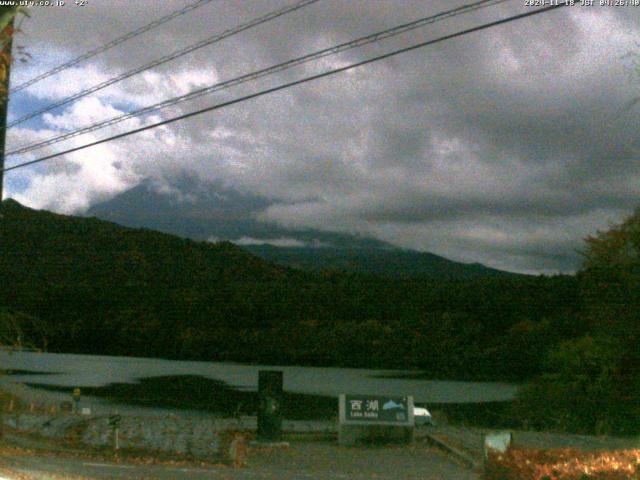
167	58
111	44
359	42
267	91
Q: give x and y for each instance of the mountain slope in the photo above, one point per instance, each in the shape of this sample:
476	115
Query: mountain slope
194	209
396	263
40	246
201	211
91	286
98	287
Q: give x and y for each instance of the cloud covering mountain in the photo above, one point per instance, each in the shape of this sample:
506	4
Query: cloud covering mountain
213	212
209	211
505	147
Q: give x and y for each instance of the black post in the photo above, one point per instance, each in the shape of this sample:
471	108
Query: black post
270	398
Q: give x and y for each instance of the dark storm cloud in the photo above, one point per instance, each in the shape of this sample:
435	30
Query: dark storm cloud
505	147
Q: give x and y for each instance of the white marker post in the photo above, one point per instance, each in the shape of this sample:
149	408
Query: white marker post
495	442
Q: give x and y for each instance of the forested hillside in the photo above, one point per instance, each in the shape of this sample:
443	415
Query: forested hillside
392	262
100	288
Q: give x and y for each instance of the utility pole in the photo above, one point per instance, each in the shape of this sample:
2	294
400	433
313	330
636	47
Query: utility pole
4	91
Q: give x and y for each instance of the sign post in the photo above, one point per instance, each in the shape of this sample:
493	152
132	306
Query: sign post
270	398
76	400
372	418
114	424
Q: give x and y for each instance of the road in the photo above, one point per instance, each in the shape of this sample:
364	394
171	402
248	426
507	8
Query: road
300	461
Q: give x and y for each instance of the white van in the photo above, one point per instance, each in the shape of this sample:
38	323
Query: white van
422	416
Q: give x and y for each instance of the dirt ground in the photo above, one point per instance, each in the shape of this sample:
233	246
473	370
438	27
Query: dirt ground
418	461
302	459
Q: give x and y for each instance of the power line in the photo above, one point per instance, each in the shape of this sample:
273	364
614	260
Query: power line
166	58
294	83
359	42
111	44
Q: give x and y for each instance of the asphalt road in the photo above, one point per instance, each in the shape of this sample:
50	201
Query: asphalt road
301	461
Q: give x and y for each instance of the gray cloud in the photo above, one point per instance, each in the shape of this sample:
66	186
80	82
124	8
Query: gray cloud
505	147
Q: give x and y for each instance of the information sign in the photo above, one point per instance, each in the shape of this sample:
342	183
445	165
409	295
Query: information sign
375	409
372	418
114	420
360	408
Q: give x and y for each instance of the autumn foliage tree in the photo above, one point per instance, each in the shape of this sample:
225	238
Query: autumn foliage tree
611	279
7	32
591	384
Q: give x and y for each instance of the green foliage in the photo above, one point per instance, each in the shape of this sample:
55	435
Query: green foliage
105	289
616	249
610	281
95	287
591	384
18	330
581	390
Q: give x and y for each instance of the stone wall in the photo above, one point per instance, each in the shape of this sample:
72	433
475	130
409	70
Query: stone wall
196	437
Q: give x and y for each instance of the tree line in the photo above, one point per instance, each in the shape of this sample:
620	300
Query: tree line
88	286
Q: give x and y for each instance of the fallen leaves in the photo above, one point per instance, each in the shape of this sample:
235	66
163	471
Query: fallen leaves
565	464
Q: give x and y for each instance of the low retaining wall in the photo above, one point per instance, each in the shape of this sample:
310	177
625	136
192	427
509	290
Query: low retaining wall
202	438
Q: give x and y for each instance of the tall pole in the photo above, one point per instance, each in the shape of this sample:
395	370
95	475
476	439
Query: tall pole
3	130
4	100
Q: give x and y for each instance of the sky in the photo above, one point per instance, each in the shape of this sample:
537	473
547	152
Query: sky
505	147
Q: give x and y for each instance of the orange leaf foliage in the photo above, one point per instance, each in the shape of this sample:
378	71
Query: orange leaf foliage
565	464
